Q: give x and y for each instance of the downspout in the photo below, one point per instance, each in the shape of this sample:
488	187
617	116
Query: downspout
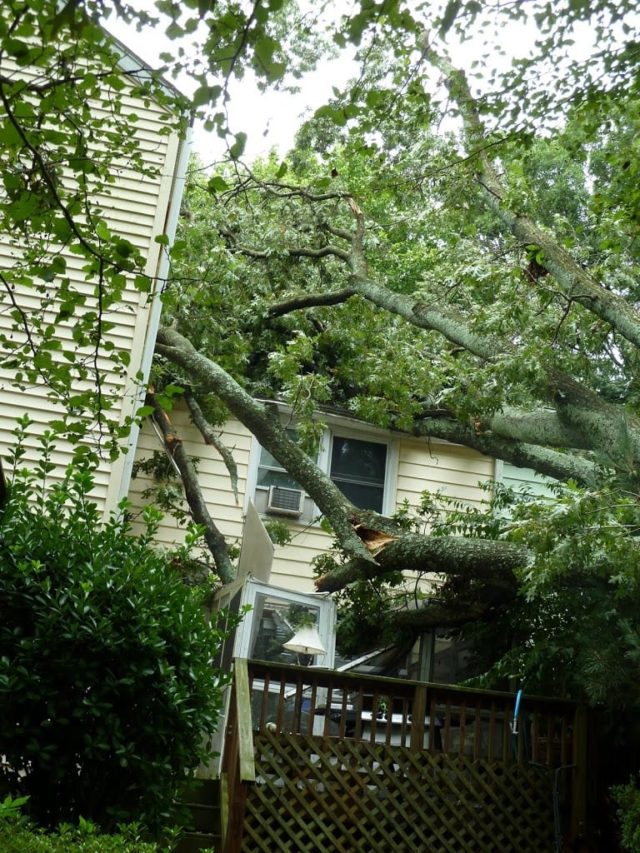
170	227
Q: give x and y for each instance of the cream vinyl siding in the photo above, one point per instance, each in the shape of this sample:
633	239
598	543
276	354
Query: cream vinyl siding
136	206
213	475
454	469
526	479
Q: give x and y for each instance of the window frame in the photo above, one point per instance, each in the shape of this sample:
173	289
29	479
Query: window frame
335	428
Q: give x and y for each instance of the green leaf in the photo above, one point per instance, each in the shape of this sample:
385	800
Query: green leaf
206	95
217	184
237	149
450	14
335	115
102	230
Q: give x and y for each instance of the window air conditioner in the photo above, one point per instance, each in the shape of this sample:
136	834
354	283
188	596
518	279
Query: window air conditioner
284	501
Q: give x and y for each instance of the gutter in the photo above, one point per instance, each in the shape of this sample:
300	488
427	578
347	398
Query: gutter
162	273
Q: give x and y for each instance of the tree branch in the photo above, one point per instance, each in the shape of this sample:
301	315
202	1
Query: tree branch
550	463
210	437
576	284
435	614
298	303
193	493
452	555
316	254
267	429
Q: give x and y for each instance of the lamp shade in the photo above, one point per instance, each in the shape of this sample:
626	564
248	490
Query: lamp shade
306	641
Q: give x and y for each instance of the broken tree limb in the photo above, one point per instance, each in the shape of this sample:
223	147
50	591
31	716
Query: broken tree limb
193	493
212	438
475	558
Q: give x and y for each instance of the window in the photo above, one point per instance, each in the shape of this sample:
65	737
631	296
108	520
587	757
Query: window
271	472
358	469
362	468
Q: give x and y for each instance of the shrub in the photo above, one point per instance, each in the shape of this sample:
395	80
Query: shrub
106	676
627	798
21	838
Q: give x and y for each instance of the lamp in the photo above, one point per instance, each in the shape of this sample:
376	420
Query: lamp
306	641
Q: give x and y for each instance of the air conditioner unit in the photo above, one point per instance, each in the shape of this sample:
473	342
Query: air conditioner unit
284	501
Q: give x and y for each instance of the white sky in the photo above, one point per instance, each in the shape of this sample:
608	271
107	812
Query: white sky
272	118
269	118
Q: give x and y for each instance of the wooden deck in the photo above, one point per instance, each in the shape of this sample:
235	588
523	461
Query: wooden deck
321	760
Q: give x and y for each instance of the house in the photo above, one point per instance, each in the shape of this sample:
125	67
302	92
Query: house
398	470
376	468
139	201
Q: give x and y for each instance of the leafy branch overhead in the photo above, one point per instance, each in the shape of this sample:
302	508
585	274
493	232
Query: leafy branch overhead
451	254
461	286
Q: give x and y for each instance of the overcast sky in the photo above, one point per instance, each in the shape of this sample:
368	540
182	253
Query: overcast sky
272	118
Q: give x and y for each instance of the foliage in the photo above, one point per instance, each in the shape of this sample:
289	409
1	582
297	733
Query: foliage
107	683
17	837
278	532
627	799
279	231
10	807
471	247
573	628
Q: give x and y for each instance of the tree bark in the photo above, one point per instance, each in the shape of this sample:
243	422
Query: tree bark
216	542
451	555
210	437
550	463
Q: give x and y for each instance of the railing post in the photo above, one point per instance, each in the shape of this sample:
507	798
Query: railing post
228	775
418	712
242	759
579	786
243	716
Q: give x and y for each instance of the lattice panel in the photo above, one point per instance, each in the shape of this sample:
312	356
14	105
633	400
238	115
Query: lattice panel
339	795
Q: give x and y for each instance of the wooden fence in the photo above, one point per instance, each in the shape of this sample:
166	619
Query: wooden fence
322	760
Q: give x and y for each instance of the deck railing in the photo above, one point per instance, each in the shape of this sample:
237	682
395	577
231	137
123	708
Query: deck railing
435	718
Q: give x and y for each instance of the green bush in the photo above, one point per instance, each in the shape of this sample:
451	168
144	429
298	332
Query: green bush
627	798
107	681
20	838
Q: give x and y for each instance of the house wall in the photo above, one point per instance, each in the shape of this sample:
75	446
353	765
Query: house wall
453	470
136	207
525	478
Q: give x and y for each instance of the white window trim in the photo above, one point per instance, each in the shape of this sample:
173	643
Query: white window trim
336	428
391	465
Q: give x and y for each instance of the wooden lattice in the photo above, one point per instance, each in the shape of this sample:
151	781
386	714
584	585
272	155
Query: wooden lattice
314	793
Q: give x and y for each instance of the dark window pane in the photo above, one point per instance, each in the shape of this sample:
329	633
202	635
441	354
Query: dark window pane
364	461
358	469
364	497
276	478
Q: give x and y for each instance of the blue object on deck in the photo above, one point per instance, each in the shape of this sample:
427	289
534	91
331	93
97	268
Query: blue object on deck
516	713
